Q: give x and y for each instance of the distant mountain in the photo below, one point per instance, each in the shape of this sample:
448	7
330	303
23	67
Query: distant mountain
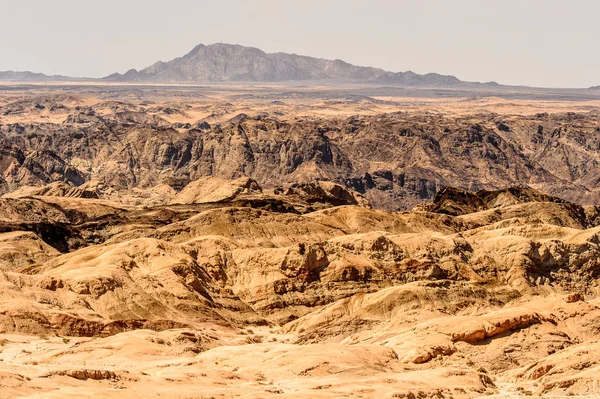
235	63
26	76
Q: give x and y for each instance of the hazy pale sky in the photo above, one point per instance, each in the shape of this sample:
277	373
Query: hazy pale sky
551	43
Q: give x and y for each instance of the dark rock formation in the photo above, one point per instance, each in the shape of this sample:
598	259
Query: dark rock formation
395	160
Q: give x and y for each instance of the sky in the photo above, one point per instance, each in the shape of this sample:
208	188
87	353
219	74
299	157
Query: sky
546	43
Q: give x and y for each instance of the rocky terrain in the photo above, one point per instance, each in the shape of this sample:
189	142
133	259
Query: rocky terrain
228	289
395	159
222	244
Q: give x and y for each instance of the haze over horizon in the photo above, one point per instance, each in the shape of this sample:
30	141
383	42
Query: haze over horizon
534	43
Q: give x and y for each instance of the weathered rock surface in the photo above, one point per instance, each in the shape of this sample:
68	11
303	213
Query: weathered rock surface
394	160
